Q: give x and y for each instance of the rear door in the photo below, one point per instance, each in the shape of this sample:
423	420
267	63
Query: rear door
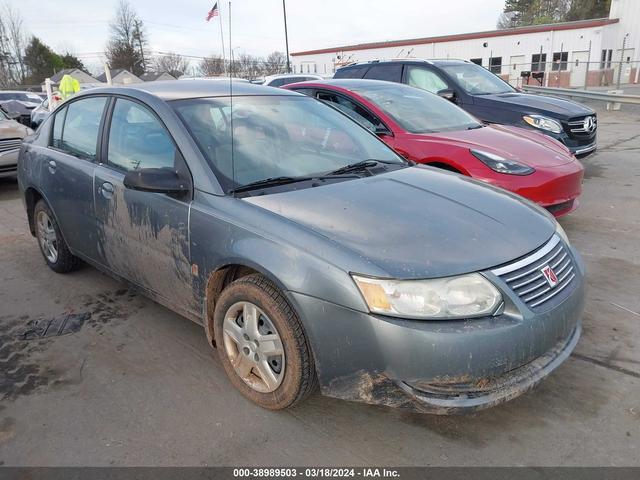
67	176
144	236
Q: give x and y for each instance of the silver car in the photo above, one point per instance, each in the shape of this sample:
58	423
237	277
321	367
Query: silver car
11	135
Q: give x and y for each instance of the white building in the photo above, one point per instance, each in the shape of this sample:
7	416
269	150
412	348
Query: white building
572	54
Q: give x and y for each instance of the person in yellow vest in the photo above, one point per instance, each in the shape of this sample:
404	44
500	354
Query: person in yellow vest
68	86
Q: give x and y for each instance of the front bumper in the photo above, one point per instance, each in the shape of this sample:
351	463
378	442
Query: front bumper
9	163
440	367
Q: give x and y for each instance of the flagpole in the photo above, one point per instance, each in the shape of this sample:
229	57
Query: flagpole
286	35
224	58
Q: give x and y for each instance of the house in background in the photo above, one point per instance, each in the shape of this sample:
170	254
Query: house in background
155	76
83	78
120	76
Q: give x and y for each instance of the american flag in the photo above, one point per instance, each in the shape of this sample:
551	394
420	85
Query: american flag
213	12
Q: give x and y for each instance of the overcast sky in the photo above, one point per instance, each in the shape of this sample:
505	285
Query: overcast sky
81	26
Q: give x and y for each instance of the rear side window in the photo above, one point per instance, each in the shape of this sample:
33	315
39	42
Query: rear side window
278	82
58	123
76	128
390	73
138	140
351	72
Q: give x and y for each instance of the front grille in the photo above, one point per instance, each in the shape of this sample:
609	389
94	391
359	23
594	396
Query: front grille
526	279
559	207
576	126
10	144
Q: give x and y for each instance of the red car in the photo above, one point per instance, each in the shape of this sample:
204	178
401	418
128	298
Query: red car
428	129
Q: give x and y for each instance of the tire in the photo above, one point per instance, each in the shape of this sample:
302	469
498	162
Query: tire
52	245
246	359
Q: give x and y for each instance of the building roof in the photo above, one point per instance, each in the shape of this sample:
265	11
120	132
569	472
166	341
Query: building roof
153	76
71	71
177	89
114	73
552	27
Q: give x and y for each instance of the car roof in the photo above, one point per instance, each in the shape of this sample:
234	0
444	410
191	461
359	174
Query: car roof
412	61
346	83
178	90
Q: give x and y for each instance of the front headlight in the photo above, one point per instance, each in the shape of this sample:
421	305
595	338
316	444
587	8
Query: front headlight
501	165
561	233
464	296
543	123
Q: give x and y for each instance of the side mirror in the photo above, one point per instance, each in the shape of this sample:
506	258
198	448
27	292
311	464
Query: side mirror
447	93
156	180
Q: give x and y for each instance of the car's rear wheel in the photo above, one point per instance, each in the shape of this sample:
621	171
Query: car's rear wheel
52	245
262	344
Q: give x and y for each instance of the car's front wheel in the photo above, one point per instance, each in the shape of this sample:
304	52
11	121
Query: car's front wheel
52	245
262	344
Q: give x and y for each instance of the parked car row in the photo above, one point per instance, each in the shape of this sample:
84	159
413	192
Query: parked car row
315	249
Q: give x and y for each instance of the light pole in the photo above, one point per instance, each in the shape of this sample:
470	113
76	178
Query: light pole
286	35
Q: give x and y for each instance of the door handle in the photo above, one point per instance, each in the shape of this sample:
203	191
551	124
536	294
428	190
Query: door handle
106	189
52	166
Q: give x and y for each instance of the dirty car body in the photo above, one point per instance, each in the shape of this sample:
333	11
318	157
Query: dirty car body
324	241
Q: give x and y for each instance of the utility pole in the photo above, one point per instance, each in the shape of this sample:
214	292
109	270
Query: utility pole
624	44
138	36
286	35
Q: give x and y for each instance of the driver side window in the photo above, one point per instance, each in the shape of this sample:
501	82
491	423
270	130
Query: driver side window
138	140
425	79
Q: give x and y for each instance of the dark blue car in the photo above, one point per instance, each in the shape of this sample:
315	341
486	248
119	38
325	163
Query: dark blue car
489	98
310	252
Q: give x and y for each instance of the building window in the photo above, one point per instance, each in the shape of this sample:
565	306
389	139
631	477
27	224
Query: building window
477	61
495	65
538	62
605	60
560	60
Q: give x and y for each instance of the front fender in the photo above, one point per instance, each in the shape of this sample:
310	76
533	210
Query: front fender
226	231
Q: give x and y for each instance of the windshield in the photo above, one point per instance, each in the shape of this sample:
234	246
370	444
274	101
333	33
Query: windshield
277	136
416	110
476	80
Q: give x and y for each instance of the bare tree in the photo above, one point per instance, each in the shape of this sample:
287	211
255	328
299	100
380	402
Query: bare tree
13	41
276	62
172	63
127	43
249	67
212	66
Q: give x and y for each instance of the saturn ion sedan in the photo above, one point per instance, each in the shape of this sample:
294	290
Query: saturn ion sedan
428	129
311	252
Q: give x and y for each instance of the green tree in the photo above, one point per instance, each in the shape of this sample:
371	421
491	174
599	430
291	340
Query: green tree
519	13
40	61
585	9
71	61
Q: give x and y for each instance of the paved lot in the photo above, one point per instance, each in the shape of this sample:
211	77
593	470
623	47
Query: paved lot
138	385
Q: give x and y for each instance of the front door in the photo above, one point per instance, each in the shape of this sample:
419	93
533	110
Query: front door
143	236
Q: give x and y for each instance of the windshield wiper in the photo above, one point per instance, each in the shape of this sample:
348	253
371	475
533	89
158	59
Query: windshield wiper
269	182
474	127
358	167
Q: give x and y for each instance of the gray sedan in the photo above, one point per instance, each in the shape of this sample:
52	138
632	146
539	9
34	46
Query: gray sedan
311	253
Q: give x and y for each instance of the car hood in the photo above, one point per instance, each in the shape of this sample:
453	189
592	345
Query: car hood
529	103
418	222
525	146
12	129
